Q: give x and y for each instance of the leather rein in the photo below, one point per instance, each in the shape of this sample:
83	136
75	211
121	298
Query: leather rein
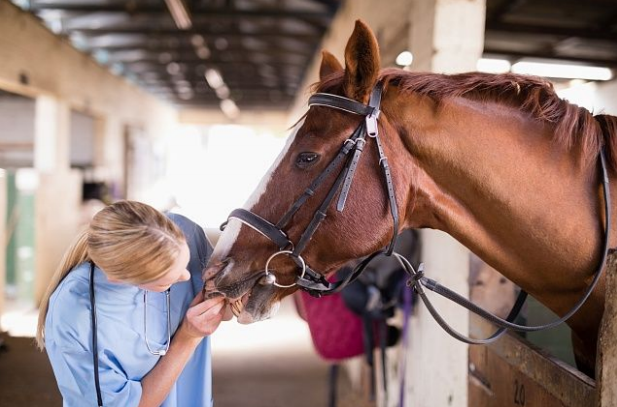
316	284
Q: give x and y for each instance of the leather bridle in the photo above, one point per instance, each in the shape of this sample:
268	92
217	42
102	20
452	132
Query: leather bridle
309	280
316	284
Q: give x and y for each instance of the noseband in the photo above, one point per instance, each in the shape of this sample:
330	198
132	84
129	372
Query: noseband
315	283
309	280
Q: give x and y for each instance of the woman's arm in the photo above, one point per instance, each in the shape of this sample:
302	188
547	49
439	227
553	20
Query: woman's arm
202	319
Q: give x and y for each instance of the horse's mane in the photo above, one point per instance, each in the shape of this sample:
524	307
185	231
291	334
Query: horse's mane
574	126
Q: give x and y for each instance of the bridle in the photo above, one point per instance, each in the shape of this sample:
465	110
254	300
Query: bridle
316	284
309	280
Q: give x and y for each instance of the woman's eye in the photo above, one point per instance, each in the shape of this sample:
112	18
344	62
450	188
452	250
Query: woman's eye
305	160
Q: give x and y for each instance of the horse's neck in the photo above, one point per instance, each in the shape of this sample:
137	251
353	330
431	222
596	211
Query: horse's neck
493	180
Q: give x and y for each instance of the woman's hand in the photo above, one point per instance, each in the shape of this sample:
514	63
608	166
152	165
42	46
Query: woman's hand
203	317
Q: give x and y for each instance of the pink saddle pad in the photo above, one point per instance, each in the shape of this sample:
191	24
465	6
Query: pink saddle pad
335	330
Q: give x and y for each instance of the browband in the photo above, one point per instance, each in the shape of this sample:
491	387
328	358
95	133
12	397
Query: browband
341	103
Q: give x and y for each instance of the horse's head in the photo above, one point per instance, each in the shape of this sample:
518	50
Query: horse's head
237	268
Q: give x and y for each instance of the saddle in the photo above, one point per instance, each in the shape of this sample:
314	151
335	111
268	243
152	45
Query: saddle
355	321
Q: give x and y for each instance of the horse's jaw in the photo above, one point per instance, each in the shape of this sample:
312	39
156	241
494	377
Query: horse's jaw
254	301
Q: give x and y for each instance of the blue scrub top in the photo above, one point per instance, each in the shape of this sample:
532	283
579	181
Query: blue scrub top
123	356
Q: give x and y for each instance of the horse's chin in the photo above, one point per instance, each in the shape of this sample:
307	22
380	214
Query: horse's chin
250	315
253	304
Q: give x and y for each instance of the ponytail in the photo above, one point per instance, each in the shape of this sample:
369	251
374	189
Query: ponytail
77	253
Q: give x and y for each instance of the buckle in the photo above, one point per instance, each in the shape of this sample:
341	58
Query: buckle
371	124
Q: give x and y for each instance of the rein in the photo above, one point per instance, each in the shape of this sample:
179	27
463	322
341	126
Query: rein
315	283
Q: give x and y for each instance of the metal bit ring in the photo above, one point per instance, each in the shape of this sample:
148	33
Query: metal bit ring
270	273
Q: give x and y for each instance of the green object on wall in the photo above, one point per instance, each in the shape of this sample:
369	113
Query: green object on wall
20	255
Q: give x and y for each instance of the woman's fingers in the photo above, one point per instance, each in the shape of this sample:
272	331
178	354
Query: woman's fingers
203	318
201	307
227	314
198	299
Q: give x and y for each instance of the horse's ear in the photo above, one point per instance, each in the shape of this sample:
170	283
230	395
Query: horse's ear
329	65
362	63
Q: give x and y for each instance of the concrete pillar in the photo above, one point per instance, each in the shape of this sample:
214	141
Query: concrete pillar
58	194
445	36
58	202
436	362
112	154
51	135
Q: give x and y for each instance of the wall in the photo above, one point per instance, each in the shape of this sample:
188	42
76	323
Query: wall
41	65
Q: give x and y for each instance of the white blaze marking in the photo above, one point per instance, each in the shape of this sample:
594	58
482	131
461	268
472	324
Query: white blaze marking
230	235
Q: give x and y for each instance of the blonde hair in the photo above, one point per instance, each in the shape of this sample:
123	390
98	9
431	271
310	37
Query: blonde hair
130	241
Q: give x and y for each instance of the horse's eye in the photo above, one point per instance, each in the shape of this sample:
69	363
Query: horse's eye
305	160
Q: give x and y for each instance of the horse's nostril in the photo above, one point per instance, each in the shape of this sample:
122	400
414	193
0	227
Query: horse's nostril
214	270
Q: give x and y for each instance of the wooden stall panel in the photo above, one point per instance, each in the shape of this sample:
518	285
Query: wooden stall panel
606	368
514	373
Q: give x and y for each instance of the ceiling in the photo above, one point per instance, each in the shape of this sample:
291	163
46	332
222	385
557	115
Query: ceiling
582	31
261	48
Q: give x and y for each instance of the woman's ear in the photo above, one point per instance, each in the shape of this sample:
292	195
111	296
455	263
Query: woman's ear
329	65
362	63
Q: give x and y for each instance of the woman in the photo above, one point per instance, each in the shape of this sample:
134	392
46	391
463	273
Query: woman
147	347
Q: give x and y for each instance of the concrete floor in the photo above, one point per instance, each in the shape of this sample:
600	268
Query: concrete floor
268	364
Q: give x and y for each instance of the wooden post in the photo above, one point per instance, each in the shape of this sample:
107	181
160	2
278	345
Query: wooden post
606	367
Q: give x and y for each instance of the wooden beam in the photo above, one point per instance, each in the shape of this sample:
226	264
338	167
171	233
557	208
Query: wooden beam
214	13
195	60
148	46
587	33
505	7
515	55
155	32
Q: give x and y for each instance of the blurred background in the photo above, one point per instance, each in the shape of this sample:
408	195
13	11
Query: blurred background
185	104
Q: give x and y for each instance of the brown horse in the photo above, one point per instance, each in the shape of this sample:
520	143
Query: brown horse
499	162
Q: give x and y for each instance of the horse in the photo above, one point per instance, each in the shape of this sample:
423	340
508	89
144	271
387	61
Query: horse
497	161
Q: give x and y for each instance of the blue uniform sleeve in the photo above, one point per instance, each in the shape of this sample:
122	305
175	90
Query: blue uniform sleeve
74	373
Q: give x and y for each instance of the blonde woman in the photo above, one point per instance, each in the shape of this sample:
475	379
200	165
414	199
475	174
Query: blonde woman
123	320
